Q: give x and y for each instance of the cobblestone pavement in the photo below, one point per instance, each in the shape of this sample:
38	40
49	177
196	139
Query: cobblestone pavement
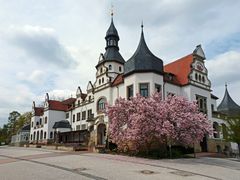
35	164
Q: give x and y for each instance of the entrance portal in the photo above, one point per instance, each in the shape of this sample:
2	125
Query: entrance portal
101	134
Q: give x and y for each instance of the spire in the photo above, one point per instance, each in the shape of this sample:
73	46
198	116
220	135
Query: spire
143	59
112	49
228	106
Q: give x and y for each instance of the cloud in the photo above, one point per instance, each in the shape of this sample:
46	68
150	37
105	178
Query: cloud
222	69
37	77
41	44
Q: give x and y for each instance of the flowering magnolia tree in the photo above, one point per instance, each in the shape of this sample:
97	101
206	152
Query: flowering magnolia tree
142	121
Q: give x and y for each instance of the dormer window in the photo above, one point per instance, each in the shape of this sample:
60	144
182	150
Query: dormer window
110	67
101	70
120	69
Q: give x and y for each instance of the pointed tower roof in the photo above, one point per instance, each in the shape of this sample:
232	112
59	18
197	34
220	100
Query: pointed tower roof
112	31
228	106
112	49
143	60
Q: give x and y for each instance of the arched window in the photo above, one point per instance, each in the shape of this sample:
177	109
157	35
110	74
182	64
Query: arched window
101	104
41	134
51	135
45	135
46	120
34	135
199	77
196	76
120	69
102	80
101	70
203	79
110	67
99	81
215	130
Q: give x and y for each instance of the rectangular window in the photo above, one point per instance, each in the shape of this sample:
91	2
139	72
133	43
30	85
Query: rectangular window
158	88
89	113
74	118
143	89
202	103
67	115
78	116
130	91
83	127
78	127
83	115
46	120
212	106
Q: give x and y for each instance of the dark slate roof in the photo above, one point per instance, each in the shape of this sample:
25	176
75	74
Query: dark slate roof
112	54
62	124
228	106
143	60
112	31
26	128
214	97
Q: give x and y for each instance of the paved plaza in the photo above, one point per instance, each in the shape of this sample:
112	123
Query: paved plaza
35	164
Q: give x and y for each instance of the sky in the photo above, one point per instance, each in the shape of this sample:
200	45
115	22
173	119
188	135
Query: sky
53	46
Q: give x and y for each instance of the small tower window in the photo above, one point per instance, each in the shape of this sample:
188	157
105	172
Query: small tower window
199	77
110	67
101	70
196	76
102	80
203	79
99	81
120	69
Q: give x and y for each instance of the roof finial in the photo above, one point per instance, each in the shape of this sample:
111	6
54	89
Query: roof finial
226	85
142	25
112	10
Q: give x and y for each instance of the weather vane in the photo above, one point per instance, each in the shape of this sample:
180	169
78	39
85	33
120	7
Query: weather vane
112	9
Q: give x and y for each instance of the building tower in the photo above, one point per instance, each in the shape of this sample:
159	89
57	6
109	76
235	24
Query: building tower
110	63
228	106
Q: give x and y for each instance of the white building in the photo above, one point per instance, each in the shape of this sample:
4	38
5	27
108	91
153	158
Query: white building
143	73
22	136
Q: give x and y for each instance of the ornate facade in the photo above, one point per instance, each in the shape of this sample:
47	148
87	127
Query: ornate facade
143	73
